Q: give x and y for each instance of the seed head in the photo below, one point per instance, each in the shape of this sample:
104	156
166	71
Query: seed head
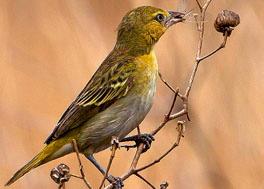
60	174
225	21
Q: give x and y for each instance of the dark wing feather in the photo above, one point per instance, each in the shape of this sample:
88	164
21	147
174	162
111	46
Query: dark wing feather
111	81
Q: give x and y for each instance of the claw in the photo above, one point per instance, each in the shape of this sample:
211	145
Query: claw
146	139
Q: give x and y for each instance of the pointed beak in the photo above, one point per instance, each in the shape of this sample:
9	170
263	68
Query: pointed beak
173	18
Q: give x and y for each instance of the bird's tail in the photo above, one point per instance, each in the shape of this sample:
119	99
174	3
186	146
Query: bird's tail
46	155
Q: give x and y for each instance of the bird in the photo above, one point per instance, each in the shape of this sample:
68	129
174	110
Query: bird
117	97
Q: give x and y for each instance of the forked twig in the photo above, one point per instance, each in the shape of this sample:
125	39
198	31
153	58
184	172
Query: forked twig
75	147
217	49
166	83
199	5
181	129
168	116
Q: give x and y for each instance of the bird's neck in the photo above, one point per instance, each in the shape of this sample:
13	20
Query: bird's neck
135	44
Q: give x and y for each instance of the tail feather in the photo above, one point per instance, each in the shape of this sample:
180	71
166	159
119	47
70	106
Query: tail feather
46	155
35	162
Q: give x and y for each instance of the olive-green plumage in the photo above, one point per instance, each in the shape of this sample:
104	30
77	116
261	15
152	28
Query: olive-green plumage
118	96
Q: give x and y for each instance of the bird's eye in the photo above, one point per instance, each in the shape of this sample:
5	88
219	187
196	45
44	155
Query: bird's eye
159	17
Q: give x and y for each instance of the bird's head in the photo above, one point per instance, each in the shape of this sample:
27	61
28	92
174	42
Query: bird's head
142	27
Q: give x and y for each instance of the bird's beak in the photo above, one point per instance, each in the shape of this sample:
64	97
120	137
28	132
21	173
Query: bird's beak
173	18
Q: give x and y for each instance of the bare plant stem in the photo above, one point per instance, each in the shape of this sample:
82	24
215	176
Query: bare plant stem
115	145
199	5
168	116
217	49
75	147
166	83
145	180
177	143
62	186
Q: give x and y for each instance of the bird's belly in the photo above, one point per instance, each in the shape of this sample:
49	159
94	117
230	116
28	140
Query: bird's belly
119	119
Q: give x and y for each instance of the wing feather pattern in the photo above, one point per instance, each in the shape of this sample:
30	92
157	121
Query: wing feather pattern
111	82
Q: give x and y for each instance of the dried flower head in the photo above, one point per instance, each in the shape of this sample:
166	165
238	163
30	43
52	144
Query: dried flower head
225	21
60	174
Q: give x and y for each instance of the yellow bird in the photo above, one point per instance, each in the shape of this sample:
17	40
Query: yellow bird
118	96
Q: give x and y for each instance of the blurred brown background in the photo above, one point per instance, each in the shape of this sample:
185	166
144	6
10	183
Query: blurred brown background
50	49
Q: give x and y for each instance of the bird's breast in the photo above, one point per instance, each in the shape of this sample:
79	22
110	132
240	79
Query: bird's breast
126	113
146	71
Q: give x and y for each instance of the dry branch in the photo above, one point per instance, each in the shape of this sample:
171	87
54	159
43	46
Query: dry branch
75	147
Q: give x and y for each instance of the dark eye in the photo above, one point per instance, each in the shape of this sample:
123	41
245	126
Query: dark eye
159	17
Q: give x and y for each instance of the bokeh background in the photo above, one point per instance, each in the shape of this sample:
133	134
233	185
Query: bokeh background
50	49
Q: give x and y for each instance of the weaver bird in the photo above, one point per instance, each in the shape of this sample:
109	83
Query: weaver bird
118	96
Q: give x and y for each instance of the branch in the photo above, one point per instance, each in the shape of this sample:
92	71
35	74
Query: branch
75	147
166	83
199	5
181	129
199	48
115	145
168	116
145	180
217	49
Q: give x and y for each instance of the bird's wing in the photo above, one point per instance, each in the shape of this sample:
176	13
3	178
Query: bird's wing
110	82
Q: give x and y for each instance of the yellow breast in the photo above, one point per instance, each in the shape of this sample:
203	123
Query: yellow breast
146	70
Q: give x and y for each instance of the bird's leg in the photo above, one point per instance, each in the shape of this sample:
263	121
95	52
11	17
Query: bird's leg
146	139
114	180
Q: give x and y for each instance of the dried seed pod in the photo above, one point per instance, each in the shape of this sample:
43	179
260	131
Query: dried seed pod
225	21
60	174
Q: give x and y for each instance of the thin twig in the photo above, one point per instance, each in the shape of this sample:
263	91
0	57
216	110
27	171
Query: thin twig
177	143
145	180
169	86
132	170
75	147
115	144
217	49
167	117
166	83
172	105
199	48
76	176
199	5
62	186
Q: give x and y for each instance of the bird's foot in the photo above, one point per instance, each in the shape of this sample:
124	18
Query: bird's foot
146	139
116	181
